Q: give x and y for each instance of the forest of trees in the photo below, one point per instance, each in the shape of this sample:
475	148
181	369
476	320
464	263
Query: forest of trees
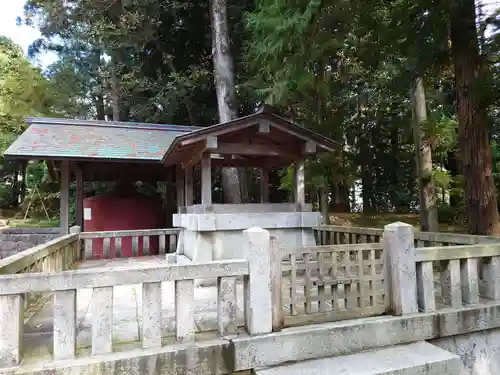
410	89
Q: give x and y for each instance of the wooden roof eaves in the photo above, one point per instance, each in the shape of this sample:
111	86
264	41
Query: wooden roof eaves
78	159
324	142
250	120
299	131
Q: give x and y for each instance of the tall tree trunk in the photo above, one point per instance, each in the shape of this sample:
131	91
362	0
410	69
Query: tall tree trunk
454	169
224	86
366	173
398	203
340	195
22	189
16	201
115	92
323	204
423	158
100	109
475	152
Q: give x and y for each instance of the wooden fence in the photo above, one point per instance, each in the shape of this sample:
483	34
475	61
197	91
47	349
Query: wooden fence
128	243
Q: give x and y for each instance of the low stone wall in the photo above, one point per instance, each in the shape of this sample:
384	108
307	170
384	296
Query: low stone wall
14	240
480	351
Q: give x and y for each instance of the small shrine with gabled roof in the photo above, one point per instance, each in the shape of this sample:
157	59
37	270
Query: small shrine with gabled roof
83	150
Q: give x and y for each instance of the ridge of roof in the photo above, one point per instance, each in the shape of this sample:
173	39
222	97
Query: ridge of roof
110	124
262	112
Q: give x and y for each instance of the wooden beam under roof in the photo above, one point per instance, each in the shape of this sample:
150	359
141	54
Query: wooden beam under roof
251	149
126	171
261	125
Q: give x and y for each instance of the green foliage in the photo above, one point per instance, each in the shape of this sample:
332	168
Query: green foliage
495	150
442	178
341	68
23	90
442	133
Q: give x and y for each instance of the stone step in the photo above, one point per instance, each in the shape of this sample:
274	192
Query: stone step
419	358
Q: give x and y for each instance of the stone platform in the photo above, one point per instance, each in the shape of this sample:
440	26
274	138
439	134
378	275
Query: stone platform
214	232
419	358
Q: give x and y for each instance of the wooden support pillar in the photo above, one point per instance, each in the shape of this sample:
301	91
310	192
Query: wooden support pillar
79	198
179	186
206	180
22	188
264	185
64	197
299	183
188	187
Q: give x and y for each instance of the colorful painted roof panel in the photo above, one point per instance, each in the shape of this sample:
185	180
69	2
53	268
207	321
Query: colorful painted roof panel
59	138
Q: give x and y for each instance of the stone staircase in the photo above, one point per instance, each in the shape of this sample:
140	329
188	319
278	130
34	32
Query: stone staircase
419	358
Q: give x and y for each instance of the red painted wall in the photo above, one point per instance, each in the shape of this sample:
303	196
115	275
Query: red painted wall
121	214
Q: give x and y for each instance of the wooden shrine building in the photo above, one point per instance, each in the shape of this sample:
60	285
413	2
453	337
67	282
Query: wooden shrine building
87	150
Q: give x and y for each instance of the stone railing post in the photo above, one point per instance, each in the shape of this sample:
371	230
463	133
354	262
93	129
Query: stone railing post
276	283
76	229
11	329
257	285
400	266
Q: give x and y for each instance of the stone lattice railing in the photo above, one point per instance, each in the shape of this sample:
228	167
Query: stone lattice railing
428	271
397	278
332	282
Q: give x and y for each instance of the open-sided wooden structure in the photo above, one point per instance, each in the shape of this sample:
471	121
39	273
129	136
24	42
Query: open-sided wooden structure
83	150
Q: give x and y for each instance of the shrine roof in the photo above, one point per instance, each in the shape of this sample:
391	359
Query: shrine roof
260	139
58	139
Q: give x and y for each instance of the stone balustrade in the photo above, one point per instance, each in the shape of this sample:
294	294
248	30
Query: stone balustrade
343	235
427	271
395	271
339	234
426	279
461	274
56	255
255	271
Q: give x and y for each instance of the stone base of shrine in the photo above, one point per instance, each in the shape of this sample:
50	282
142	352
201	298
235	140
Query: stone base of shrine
215	232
